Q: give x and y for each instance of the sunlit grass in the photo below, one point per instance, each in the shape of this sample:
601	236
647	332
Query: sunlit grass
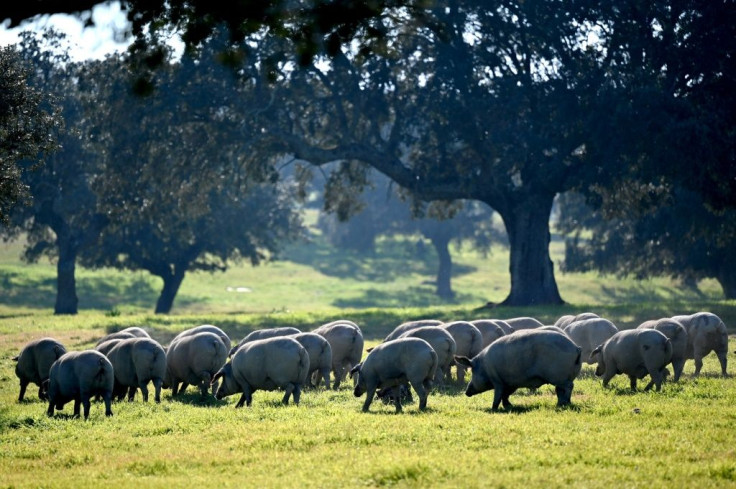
313	276
680	437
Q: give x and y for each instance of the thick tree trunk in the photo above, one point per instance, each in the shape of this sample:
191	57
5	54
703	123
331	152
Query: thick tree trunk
728	282
172	282
66	284
444	271
532	272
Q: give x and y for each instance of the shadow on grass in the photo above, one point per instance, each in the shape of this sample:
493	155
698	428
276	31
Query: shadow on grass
514	409
407	409
33	399
16	424
576	408
36	292
642	292
410	297
624	391
274	403
194	398
67	416
450	389
587	372
392	259
708	375
22	290
102	293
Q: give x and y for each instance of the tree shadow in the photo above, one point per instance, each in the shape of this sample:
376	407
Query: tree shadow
21	290
409	297
644	292
103	293
391	260
29	291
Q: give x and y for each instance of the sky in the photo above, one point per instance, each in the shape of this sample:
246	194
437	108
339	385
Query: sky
85	43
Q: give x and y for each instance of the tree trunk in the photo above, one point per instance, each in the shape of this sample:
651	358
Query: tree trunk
727	279
172	282
444	271
66	284
532	272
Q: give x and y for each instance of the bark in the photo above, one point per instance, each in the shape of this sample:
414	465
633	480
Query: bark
531	269
727	279
444	271
70	243
66	284
172	282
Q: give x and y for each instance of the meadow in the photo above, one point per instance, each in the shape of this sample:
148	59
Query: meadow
683	436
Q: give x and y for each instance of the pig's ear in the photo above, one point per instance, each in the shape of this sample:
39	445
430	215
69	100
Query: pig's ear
220	373
355	370
464	361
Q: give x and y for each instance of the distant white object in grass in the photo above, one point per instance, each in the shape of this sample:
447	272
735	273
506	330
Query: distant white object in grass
241	290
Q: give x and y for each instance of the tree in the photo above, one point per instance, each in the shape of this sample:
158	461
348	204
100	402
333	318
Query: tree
680	238
462	221
60	217
420	115
673	116
172	176
313	27
29	122
671	211
505	106
383	212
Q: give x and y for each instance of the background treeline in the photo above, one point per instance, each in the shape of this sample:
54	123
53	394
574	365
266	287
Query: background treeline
172	165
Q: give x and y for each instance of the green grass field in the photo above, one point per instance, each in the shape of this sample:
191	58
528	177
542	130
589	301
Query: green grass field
684	436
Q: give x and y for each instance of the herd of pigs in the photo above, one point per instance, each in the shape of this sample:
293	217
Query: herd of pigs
503	355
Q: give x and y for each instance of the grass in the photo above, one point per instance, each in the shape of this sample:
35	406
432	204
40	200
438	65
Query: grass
680	437
314	276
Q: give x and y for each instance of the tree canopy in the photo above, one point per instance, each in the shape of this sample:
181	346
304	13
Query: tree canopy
157	184
313	28
670	211
514	103
29	125
61	217
173	175
680	238
466	114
